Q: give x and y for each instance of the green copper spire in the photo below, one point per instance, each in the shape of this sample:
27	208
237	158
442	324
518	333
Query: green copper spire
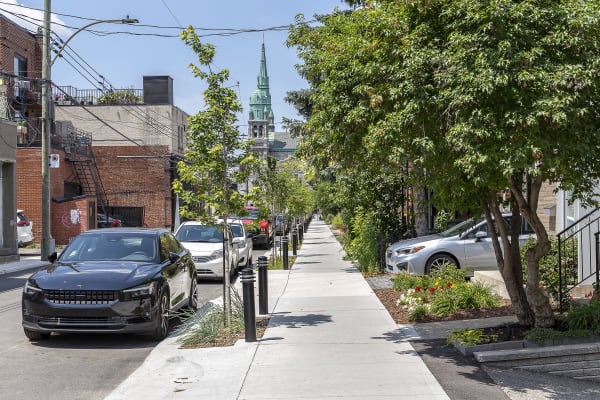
260	101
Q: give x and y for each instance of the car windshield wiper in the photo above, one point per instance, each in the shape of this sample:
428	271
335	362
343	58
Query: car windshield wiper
70	264
197	241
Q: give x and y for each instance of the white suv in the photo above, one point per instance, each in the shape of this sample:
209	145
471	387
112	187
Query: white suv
208	249
243	241
24	229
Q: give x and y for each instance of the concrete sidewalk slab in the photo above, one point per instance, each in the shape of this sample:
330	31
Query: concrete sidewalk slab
329	337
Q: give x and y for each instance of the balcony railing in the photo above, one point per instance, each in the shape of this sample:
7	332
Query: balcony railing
69	95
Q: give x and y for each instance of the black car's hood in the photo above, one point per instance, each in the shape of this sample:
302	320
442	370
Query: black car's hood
94	275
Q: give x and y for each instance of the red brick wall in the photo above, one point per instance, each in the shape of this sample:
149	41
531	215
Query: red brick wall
29	190
137	176
70	218
29	187
16	40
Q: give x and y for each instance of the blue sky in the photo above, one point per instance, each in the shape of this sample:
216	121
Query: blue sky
123	59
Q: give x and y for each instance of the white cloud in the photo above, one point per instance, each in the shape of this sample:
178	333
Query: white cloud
31	19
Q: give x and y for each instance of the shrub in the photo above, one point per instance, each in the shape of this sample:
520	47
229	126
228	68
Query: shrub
549	267
363	245
404	281
208	323
470	337
443	293
337	221
584	316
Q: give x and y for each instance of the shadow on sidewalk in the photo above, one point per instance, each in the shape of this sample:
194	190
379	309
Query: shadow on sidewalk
298	321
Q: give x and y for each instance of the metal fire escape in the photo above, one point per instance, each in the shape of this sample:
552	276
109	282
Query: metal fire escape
78	146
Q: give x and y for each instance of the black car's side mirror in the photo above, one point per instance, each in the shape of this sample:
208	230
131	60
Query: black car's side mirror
52	257
173	256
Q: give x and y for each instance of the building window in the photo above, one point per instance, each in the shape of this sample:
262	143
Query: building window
20	66
180	137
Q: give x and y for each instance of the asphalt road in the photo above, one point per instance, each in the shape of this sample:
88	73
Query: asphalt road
68	366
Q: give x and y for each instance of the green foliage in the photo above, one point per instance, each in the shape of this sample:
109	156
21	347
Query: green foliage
541	335
404	281
442	219
549	274
363	245
481	109
214	146
337	221
463	296
470	337
208	323
124	96
277	263
584	316
443	293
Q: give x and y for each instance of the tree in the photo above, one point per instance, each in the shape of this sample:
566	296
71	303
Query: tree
481	95
216	158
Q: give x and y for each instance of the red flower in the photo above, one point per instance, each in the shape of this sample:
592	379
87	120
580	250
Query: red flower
418	288
432	289
449	284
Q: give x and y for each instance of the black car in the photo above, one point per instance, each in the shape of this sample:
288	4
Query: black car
115	280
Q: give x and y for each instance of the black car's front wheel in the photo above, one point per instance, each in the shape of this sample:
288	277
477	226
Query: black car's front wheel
193	297
34	335
161	317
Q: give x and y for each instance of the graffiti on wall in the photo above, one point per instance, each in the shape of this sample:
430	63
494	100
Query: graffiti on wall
71	217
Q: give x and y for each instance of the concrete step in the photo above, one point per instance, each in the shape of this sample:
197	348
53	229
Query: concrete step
577	361
493	279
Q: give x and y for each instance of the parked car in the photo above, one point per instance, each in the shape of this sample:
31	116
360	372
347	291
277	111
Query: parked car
24	229
282	225
208	248
119	280
467	245
104	221
243	241
260	227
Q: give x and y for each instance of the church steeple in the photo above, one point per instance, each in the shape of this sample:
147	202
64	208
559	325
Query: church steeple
261	118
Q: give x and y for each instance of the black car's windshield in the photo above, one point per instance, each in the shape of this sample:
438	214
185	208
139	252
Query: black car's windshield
460	228
112	247
199	233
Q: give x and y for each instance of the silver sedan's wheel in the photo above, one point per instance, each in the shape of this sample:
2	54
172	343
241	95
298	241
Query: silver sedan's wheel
439	261
193	297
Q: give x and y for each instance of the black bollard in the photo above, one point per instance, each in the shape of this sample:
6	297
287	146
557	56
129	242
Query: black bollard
247	278
284	245
263	286
301	232
294	242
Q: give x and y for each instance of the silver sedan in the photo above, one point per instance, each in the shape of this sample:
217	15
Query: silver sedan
467	245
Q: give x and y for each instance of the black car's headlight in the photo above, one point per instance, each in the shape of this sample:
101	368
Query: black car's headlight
31	287
139	292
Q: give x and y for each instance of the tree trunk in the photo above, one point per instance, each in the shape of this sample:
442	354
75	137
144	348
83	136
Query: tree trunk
509	260
536	296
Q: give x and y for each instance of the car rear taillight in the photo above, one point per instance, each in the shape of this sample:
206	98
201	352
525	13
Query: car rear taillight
23	223
116	223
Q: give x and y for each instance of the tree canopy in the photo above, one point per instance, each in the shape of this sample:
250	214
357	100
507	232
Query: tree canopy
481	95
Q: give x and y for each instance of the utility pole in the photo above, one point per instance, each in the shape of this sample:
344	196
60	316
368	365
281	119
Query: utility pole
47	242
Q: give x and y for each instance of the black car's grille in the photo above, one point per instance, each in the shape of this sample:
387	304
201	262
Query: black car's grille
83	323
81	296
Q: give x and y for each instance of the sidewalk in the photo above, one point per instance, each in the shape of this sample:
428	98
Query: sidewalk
329	337
30	260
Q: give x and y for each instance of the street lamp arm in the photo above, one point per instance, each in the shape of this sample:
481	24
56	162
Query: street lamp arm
113	21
